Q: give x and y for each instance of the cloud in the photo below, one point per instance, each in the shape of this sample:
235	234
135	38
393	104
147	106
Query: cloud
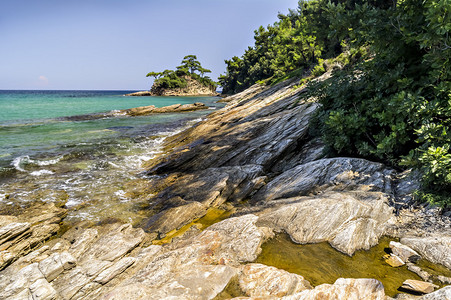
43	80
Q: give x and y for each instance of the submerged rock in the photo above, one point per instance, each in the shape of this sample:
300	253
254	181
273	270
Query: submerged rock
147	110
403	252
419	286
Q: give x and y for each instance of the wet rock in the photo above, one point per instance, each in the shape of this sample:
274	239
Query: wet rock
394	261
257	280
436	248
418	286
346	220
189	196
344	288
425	276
404	252
147	110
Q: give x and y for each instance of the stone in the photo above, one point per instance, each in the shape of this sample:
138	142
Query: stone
435	248
55	264
441	294
147	110
257	280
404	252
119	267
21	234
344	288
394	261
418	286
333	173
345	220
425	276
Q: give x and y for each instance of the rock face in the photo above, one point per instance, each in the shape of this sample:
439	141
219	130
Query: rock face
193	88
20	235
255	156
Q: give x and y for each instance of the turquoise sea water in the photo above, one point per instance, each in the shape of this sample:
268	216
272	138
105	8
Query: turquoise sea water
73	143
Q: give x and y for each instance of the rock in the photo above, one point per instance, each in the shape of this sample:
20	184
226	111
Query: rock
344	288
115	270
142	93
258	131
394	261
418	286
346	220
420	272
189	196
21	234
146	110
337	173
441	294
55	264
443	279
257	280
435	248
403	252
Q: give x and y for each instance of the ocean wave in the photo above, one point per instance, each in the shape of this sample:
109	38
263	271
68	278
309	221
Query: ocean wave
20	162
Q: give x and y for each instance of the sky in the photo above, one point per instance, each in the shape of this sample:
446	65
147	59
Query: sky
113	44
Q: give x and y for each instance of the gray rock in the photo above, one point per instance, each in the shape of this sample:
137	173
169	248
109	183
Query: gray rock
436	249
336	173
402	251
347	221
441	294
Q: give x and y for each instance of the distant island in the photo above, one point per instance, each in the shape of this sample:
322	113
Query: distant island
187	80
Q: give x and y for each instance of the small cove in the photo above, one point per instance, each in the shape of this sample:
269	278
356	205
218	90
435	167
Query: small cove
321	263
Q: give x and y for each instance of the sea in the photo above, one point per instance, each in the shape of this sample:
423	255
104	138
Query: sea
76	149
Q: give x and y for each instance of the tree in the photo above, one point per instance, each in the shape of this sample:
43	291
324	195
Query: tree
191	63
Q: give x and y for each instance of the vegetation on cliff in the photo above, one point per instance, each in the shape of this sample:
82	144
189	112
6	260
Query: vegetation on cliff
390	100
180	78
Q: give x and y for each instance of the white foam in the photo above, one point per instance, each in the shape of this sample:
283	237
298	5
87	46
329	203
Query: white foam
41	172
18	161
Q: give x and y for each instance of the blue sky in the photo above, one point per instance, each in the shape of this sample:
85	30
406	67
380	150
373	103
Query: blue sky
113	44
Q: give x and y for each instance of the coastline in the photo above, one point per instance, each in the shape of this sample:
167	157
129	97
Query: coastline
255	160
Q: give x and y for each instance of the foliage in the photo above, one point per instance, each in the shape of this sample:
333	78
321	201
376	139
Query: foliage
169	79
281	48
389	99
394	104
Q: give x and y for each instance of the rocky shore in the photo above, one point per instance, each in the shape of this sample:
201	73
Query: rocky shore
193	88
255	160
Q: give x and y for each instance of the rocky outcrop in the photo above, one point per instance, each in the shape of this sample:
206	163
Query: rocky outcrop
255	156
147	110
21	234
193	88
